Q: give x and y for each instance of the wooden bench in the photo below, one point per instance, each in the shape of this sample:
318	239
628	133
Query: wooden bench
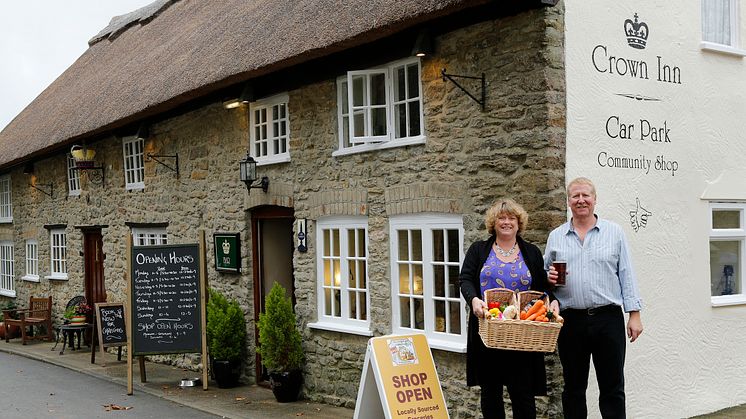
38	313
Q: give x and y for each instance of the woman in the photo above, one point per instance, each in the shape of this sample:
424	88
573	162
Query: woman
504	260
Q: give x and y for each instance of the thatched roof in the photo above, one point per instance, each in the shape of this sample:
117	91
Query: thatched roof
170	52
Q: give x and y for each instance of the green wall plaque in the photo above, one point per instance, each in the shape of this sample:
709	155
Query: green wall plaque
227	252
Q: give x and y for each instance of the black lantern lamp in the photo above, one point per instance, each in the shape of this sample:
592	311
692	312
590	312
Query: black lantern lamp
248	174
423	45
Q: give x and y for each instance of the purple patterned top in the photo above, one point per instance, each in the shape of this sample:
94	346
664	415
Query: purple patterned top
498	274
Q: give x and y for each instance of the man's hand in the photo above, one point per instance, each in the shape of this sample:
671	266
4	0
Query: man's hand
634	326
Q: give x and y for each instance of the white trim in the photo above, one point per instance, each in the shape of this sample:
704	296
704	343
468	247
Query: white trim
726	49
8	293
149	236
735	33
7	268
32	261
427	224
133	167
366	108
57	277
58	257
342	323
6	199
272	156
737	234
73	177
31	278
728	300
379	146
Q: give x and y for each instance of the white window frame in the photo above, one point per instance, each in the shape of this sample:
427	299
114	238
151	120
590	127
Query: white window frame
32	261
149	236
7	271
6	201
733	47
343	323
730	234
274	139
73	177
57	254
427	223
345	124
134	166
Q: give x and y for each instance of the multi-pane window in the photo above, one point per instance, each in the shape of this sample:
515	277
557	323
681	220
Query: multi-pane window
73	177
342	263
58	253
380	107
134	169
426	255
149	236
720	22
32	261
7	286
727	253
6	206
270	133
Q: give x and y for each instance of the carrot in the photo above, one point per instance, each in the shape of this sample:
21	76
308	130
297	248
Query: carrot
536	307
541	318
533	316
523	315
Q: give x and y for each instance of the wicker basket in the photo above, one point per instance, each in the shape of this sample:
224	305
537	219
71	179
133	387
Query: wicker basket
517	335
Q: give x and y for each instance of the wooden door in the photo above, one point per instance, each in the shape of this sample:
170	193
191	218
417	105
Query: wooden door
93	262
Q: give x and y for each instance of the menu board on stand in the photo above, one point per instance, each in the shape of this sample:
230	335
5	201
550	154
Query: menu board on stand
166	293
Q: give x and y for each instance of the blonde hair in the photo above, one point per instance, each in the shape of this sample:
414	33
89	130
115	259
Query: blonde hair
505	206
581	181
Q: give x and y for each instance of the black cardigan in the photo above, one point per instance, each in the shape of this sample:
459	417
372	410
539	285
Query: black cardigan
480	359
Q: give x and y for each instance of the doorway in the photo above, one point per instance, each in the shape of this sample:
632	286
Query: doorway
272	261
93	265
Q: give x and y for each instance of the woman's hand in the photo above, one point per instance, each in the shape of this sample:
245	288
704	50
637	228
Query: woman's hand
554	306
478	307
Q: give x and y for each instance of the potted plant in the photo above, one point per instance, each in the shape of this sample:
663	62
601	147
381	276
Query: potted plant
280	345
226	338
14	330
78	313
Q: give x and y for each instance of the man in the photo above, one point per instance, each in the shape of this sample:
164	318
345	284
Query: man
599	282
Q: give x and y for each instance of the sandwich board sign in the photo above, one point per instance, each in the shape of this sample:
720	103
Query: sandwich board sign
400	381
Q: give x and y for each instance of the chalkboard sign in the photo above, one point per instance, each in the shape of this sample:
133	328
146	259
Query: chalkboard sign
111	324
166	298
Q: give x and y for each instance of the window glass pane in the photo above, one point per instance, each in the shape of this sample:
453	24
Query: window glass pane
337	273
363	306
404	279
336	304
327	273
725	267
378	119
362	283
417	279
439	274
327	252
400	84
328	301
453	252
403	245
400	122
406	321
455	321
726	219
361	242
716	24
377	89
419	314
413	82
414	119
359	91
453	289
351	243
335	242
353	305
438	246
440	316
343	97
358	120
417	245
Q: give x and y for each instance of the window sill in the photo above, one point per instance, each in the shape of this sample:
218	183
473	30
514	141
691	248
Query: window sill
435	342
73	193
134	187
725	49
362	331
265	161
728	300
7	293
57	277
380	146
30	278
6	220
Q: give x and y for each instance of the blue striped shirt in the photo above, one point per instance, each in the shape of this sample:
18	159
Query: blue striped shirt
599	268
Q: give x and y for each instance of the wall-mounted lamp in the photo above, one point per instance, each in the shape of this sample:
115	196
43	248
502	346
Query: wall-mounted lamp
423	45
247	94
83	157
247	168
143	132
28	169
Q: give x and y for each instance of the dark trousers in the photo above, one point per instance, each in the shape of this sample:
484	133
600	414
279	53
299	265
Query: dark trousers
599	334
522	399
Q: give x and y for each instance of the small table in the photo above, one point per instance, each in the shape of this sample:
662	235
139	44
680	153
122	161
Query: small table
69	332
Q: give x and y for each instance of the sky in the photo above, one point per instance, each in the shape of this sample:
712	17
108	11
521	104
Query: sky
40	39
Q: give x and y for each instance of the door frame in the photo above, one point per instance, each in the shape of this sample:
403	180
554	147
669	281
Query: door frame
258	214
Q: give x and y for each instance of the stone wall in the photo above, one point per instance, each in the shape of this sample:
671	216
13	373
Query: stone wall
515	148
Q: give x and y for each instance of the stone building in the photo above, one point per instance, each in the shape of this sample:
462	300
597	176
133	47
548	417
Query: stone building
384	159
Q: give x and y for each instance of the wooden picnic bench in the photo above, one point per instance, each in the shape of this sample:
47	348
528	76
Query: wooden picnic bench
38	313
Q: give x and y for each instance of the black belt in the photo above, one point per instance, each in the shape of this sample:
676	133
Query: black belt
590	311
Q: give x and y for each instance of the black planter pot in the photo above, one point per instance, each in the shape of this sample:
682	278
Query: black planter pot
286	385
226	373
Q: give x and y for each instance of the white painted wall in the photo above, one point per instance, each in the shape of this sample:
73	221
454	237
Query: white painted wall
691	359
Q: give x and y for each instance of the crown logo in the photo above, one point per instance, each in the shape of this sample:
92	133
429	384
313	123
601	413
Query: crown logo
636	32
226	247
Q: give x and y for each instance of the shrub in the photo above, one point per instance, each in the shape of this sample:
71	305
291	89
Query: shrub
279	340
226	328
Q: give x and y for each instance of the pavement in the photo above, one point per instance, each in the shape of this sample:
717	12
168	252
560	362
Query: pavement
245	401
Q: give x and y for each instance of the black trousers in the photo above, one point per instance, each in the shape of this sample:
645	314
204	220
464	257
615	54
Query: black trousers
521	398
598	334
